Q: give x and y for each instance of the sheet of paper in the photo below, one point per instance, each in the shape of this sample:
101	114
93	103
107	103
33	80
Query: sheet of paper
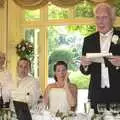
96	57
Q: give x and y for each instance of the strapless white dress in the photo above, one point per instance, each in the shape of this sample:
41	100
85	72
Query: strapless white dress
58	100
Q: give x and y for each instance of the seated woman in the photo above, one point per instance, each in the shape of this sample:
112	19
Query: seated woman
5	83
61	95
28	88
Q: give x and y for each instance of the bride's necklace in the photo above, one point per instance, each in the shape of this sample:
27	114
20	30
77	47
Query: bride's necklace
59	85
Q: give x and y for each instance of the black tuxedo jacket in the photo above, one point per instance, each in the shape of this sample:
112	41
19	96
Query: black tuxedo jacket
96	93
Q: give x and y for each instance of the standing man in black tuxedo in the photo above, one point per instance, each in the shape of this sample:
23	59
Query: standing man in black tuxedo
104	84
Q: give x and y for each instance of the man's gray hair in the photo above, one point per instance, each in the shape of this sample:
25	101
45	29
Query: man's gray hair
110	8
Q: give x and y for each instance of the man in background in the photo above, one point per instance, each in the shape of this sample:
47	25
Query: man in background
28	88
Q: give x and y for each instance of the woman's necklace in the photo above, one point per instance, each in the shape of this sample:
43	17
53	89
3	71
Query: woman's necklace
60	85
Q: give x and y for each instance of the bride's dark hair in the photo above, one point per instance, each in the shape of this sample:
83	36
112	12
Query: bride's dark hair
59	63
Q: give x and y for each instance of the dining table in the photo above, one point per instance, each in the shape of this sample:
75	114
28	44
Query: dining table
47	115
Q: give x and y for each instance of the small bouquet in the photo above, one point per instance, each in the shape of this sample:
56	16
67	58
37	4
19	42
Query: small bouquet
25	49
63	115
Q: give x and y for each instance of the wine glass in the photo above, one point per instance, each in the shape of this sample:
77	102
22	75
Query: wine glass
87	107
101	108
114	108
118	111
118	108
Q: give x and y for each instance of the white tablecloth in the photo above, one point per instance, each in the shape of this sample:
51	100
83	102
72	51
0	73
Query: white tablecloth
47	116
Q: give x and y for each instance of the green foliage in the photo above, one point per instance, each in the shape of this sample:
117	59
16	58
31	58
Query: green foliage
81	10
83	29
52	39
117	5
32	14
50	69
82	81
59	37
64	55
55	12
84	9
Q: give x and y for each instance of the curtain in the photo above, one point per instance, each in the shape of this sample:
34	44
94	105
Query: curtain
99	1
33	4
65	3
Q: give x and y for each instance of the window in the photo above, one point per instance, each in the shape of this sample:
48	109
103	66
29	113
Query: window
32	35
84	9
30	15
55	12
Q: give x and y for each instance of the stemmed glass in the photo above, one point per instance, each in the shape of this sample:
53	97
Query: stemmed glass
39	108
118	108
101	108
87	107
114	108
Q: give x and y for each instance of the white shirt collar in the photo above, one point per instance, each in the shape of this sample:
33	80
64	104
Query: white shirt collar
108	33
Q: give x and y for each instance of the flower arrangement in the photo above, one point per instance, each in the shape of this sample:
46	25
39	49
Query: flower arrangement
63	115
25	49
115	39
115	46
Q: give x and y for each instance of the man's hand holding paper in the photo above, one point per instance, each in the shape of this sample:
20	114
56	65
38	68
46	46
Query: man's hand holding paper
94	57
115	60
85	61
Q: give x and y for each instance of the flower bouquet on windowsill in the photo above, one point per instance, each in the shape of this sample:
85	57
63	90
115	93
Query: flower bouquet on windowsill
25	49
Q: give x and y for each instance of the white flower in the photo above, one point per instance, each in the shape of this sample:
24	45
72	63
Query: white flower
23	48
19	46
115	39
26	43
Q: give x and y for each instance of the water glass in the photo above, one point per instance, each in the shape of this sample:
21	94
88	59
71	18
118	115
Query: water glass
101	108
87	107
114	108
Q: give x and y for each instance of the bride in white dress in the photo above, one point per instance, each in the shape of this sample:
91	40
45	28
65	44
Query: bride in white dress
62	95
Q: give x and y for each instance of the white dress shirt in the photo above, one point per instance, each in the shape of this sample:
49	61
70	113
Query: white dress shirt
105	41
27	85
